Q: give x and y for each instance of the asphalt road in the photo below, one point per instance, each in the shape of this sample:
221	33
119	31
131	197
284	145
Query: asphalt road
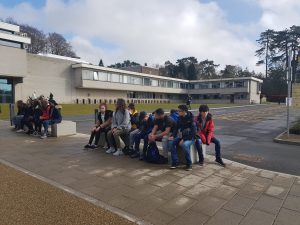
246	135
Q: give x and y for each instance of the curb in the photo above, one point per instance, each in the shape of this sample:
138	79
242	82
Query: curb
282	141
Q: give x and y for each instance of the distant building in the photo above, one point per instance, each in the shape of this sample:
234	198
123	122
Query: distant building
142	69
75	81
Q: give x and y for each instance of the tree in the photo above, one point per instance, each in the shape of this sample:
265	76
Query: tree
57	44
101	63
38	39
126	63
231	71
266	49
207	69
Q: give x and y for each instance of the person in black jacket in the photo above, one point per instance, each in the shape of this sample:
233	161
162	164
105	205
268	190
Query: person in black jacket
103	125
183	136
20	114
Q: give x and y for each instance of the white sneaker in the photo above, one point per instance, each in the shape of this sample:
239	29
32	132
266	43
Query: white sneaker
118	152
20	131
44	136
110	150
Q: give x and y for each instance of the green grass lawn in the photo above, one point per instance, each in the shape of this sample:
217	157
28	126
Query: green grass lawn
295	128
80	109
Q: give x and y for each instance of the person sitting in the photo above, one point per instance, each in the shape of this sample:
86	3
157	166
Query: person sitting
183	136
37	112
146	122
119	129
28	118
103	125
161	131
20	114
206	133
134	119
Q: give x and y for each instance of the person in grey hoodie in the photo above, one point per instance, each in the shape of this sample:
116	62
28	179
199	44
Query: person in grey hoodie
120	128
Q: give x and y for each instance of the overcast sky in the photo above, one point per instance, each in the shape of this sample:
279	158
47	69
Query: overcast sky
155	31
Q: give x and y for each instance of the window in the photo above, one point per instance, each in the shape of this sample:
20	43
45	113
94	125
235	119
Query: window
147	82
163	83
6	91
203	85
182	85
229	84
136	80
170	84
87	75
154	83
216	85
175	85
115	78
103	76
96	76
239	84
126	79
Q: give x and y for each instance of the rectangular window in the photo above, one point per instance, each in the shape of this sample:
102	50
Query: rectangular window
170	84
175	85
103	76
154	82
136	80
163	83
216	85
229	84
126	79
115	78
87	75
147	82
96	76
239	84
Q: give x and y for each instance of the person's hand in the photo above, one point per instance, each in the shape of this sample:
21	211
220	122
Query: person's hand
171	138
114	130
152	137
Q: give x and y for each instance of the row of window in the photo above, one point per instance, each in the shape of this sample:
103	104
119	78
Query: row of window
146	81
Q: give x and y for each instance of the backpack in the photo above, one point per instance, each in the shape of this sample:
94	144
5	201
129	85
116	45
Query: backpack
153	156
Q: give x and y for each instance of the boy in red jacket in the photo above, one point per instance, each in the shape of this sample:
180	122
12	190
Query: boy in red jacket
206	133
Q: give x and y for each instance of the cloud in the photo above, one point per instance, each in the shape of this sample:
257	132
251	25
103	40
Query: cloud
279	14
147	31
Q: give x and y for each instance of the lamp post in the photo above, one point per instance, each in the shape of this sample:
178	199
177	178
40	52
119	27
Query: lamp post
289	82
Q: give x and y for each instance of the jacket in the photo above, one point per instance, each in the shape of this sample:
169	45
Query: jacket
121	120
134	119
187	126
54	114
147	126
207	132
46	113
107	115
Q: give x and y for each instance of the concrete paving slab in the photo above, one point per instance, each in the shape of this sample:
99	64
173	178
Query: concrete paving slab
224	217
208	205
287	217
256	217
190	218
239	205
268	204
292	203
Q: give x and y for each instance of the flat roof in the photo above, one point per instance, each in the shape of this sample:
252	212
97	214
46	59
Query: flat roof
101	68
9	27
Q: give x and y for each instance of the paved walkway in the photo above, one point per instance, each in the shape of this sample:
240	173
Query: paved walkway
152	193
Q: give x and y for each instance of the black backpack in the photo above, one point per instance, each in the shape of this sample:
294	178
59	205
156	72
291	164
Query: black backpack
153	156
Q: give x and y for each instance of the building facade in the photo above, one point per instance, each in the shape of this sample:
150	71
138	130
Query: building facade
75	81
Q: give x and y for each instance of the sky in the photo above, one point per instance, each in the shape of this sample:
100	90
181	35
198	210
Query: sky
154	31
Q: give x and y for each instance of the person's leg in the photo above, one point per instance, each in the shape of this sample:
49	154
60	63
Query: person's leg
173	148
137	141
186	147
132	137
125	136
92	136
106	139
165	141
146	142
117	137
45	125
97	136
198	146
110	139
218	151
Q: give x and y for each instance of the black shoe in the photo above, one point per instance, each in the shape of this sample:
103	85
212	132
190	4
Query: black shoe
125	150
87	146
220	162
188	167
135	155
131	151
94	147
174	165
201	162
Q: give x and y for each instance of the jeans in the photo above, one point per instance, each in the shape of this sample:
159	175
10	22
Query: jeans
132	137
217	148
137	140
17	121
185	146
47	123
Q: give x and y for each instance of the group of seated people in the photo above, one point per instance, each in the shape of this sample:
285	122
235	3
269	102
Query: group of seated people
35	114
178	129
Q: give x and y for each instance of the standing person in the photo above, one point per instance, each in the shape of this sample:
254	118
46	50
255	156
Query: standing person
189	101
206	133
103	125
119	129
162	130
186	128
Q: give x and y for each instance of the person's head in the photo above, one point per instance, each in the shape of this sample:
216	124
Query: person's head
182	110
20	104
159	114
44	104
143	116
102	107
121	105
203	110
131	107
52	102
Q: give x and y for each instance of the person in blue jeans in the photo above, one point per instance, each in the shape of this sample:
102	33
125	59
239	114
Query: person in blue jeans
54	117
183	136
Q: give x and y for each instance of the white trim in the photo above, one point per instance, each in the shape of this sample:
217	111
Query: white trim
9	27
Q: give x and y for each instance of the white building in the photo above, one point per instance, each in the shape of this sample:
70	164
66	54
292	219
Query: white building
75	81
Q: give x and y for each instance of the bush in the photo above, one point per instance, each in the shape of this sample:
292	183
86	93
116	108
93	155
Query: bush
296	128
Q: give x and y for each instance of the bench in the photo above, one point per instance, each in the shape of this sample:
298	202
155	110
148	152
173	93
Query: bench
65	128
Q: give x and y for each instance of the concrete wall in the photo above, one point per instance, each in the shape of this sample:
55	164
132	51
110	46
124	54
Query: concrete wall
13	62
254	94
45	75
